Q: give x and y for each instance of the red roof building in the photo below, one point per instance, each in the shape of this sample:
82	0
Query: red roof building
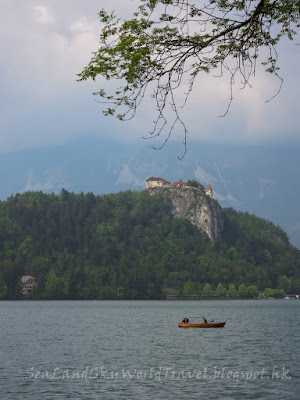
209	191
179	183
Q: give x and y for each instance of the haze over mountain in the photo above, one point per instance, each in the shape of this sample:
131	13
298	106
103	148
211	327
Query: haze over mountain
42	106
260	179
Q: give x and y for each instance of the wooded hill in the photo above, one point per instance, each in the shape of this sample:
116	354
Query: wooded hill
128	246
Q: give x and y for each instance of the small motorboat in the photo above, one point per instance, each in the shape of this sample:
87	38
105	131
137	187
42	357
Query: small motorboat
208	325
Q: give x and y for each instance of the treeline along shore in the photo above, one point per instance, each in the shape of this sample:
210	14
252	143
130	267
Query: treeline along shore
129	245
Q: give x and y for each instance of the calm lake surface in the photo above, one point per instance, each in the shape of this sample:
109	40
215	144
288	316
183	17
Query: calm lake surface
135	350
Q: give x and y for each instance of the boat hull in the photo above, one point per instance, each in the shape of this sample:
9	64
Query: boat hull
208	325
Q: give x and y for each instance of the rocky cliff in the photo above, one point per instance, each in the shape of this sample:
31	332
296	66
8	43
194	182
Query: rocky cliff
194	205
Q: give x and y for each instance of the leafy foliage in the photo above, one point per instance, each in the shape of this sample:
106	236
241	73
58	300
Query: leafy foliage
128	246
169	43
194	183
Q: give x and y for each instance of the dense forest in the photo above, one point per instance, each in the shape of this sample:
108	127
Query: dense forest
128	246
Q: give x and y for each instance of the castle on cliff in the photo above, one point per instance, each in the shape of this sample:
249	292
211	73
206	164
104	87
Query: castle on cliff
154	182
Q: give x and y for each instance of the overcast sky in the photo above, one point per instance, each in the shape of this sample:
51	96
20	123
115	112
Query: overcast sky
45	43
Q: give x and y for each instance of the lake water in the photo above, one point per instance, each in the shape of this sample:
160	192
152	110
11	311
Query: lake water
135	350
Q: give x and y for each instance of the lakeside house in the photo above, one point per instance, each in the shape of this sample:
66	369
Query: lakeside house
27	283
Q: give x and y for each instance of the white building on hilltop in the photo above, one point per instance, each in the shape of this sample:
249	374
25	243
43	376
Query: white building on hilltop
156	182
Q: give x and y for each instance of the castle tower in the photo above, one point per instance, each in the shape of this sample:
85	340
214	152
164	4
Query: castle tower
209	191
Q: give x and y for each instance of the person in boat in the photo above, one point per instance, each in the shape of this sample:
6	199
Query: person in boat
185	320
204	320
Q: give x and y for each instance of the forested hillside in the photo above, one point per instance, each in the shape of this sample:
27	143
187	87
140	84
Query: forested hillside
128	246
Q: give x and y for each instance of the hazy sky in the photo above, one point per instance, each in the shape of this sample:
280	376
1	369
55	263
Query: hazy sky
44	43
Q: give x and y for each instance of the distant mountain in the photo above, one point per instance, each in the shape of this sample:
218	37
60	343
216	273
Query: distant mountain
263	180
